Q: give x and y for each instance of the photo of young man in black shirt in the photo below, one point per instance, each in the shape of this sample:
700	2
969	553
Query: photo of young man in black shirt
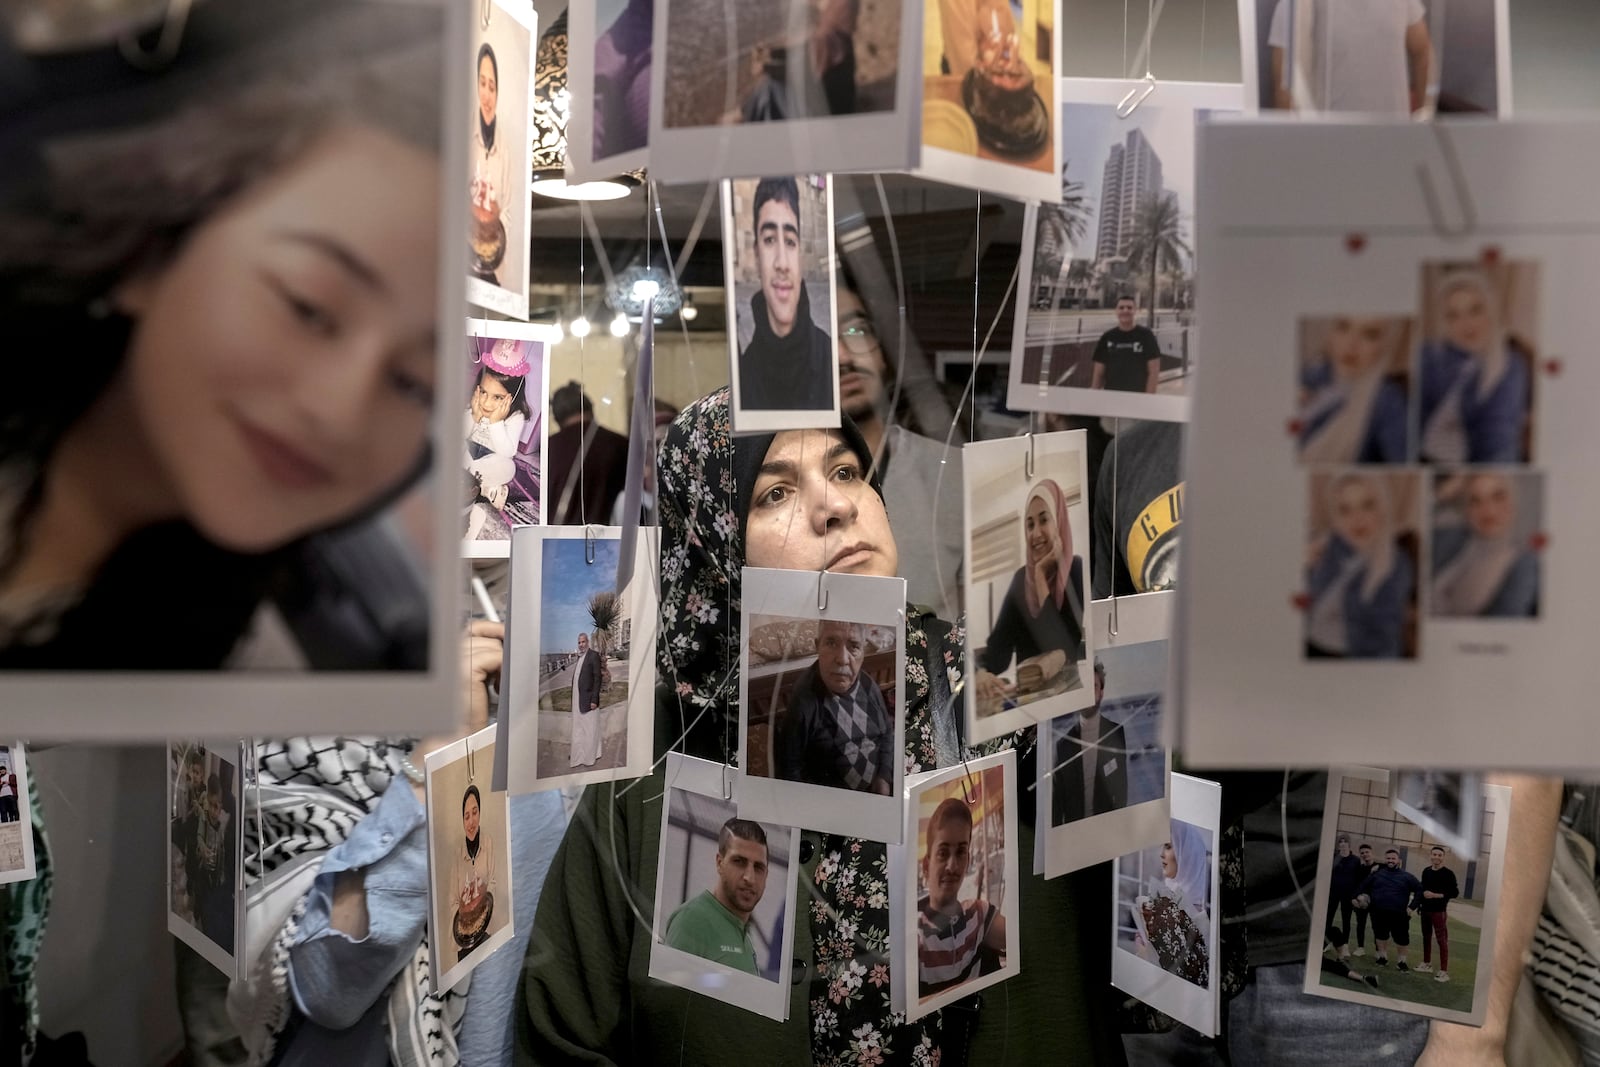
1127	357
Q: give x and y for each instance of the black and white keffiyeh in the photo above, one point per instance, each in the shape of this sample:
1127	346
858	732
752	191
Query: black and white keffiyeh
312	793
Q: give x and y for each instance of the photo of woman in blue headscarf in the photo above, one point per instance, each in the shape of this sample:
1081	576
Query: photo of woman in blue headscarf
1360	574
1484	562
1476	387
1173	915
1353	390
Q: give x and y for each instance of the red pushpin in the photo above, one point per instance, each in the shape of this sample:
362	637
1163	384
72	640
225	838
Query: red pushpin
1355	242
1301	601
1490	255
1552	367
1538	541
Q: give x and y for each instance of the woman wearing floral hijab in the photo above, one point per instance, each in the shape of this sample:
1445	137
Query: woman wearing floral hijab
1175	916
799	499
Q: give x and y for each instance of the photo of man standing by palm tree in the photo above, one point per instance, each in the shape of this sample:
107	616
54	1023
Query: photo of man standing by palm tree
1109	283
584	659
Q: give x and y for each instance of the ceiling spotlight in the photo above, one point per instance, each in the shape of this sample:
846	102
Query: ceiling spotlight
688	311
619	326
578	327
645	289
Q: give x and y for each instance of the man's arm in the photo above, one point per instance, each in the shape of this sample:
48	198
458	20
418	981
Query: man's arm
1529	845
1153	374
1419	60
1098	379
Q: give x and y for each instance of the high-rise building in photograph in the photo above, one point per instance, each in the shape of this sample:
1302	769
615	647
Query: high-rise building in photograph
1132	173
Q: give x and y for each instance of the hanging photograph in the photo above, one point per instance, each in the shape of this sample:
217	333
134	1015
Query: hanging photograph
1382	874
205	837
469	859
1356	384
507	380
609	49
1479	358
1419	575
821	710
725	891
1166	913
1106	317
1395	58
1363	536
16	816
1027	578
990	96
1445	804
498	229
954	927
250	247
580	673
778	255
775	86
1102	784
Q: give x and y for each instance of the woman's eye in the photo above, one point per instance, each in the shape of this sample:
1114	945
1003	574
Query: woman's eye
418	390
312	315
846	473
774	495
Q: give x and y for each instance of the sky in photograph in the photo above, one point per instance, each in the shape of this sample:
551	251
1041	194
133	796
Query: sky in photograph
1089	130
569	581
1134	670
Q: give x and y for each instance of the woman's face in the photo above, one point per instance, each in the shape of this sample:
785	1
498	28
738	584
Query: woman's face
1169	861
488	90
1355	514
469	817
1466	318
1489	508
1355	346
812	508
1040	529
281	366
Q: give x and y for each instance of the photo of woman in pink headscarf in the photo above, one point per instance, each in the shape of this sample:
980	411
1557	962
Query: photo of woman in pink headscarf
1039	628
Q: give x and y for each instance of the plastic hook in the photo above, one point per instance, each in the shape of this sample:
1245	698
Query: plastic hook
1028	460
168	40
822	593
588	544
1136	96
486	13
1458	184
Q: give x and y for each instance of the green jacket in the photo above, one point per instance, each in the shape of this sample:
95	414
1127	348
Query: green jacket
586	997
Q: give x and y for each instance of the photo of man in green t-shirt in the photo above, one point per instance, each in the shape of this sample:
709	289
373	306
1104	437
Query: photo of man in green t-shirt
715	924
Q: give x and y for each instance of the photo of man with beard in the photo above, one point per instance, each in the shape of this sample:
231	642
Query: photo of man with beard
715	925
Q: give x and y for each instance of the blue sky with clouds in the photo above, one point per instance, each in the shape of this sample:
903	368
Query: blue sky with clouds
568	583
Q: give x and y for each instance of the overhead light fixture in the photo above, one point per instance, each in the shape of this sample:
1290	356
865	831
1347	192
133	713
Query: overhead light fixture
638	285
645	288
551	105
579	327
619	325
688	311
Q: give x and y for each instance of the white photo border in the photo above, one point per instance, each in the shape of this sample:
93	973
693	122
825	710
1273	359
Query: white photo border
501	298
520	708
1022	396
233	964
549	336
763	421
823	596
688	971
445	978
220	705
1197	802
1497	800
29	868
583	31
987	728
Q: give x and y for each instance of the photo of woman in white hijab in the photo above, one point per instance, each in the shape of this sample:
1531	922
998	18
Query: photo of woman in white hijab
1476	387
1360	566
1353	390
1172	917
1484	562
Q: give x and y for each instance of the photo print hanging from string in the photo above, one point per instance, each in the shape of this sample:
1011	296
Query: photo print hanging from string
990	96
1396	59
1029	648
822	727
205	850
725	891
1166	912
1389	361
954	918
778	254
1382	875
1102	771
1106	321
784	86
501	151
469	859
16	816
608	74
578	688
508	376
257	236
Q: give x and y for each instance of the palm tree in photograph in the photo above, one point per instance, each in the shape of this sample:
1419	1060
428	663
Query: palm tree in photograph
1158	242
1060	227
605	611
